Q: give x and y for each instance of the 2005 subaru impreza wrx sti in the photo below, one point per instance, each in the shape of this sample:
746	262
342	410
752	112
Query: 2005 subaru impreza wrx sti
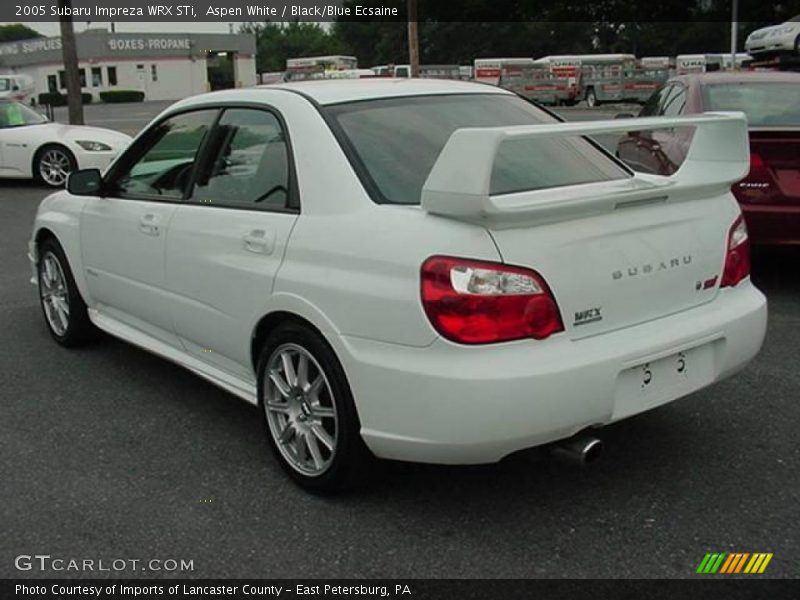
410	269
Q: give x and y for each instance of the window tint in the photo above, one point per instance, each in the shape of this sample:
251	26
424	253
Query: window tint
161	162
251	168
651	107
14	114
766	103
397	141
675	103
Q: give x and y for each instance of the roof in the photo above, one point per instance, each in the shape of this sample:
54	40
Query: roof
740	76
334	91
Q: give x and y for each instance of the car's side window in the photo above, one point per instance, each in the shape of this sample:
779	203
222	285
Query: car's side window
250	168
674	105
651	107
160	164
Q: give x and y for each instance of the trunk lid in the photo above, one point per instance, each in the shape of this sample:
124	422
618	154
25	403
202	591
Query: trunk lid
780	153
629	266
614	253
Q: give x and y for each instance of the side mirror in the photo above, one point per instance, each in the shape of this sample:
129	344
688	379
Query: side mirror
85	182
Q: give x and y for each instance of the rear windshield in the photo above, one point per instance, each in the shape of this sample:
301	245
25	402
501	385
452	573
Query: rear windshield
767	104
394	144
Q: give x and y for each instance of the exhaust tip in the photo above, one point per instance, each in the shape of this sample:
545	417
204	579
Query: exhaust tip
580	450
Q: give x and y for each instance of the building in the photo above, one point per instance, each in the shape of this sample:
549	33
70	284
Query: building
163	66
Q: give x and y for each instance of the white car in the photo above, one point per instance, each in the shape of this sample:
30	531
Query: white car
33	147
418	270
775	39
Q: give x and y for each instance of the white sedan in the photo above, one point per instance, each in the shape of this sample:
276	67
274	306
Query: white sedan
33	147
409	269
775	38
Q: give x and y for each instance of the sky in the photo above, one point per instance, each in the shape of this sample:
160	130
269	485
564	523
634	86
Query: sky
51	28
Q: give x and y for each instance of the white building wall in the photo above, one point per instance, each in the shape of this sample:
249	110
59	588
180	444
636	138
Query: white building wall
175	78
245	71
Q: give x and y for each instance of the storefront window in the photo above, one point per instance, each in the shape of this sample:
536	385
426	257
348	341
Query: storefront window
153	73
112	75
97	77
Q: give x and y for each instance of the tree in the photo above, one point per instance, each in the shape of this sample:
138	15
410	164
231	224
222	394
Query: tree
275	42
17	31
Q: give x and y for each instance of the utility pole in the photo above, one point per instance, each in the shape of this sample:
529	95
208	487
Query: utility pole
413	38
734	32
69	52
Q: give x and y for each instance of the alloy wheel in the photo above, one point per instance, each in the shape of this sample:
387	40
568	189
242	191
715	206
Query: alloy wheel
54	167
300	409
54	293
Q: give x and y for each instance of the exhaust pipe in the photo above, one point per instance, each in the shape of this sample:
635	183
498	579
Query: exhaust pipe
579	450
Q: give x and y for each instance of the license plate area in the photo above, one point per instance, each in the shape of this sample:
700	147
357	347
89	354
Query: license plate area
655	382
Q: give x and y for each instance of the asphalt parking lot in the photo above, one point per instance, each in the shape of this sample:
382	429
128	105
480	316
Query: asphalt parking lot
110	452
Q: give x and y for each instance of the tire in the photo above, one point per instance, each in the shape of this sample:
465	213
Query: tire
62	306
591	98
52	164
315	435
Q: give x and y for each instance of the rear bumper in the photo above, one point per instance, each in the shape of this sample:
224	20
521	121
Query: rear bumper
773	224
458	405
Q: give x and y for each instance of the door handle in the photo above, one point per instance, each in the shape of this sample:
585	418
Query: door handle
148	225
259	241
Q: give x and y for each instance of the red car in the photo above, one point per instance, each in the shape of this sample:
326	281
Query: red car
770	194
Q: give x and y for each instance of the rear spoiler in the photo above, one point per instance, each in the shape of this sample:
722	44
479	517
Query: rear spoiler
458	186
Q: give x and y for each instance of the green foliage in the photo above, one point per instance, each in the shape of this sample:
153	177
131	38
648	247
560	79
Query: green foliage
116	96
275	42
56	99
17	31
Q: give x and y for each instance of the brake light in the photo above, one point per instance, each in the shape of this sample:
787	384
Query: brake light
737	255
756	162
478	302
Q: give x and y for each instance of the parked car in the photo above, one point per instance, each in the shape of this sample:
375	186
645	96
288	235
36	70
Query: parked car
775	39
770	194
421	270
33	147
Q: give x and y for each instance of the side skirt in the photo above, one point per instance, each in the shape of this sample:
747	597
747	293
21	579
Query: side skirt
242	389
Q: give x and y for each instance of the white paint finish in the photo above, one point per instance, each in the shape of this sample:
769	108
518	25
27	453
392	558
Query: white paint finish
219	285
18	146
351	268
430	405
123	244
335	91
459	183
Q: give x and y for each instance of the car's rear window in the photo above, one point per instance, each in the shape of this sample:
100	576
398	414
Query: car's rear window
766	104
394	144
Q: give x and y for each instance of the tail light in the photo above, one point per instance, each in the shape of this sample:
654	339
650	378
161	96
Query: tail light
477	302
737	255
759	171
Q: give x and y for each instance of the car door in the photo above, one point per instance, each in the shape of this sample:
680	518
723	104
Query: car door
123	232
227	241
